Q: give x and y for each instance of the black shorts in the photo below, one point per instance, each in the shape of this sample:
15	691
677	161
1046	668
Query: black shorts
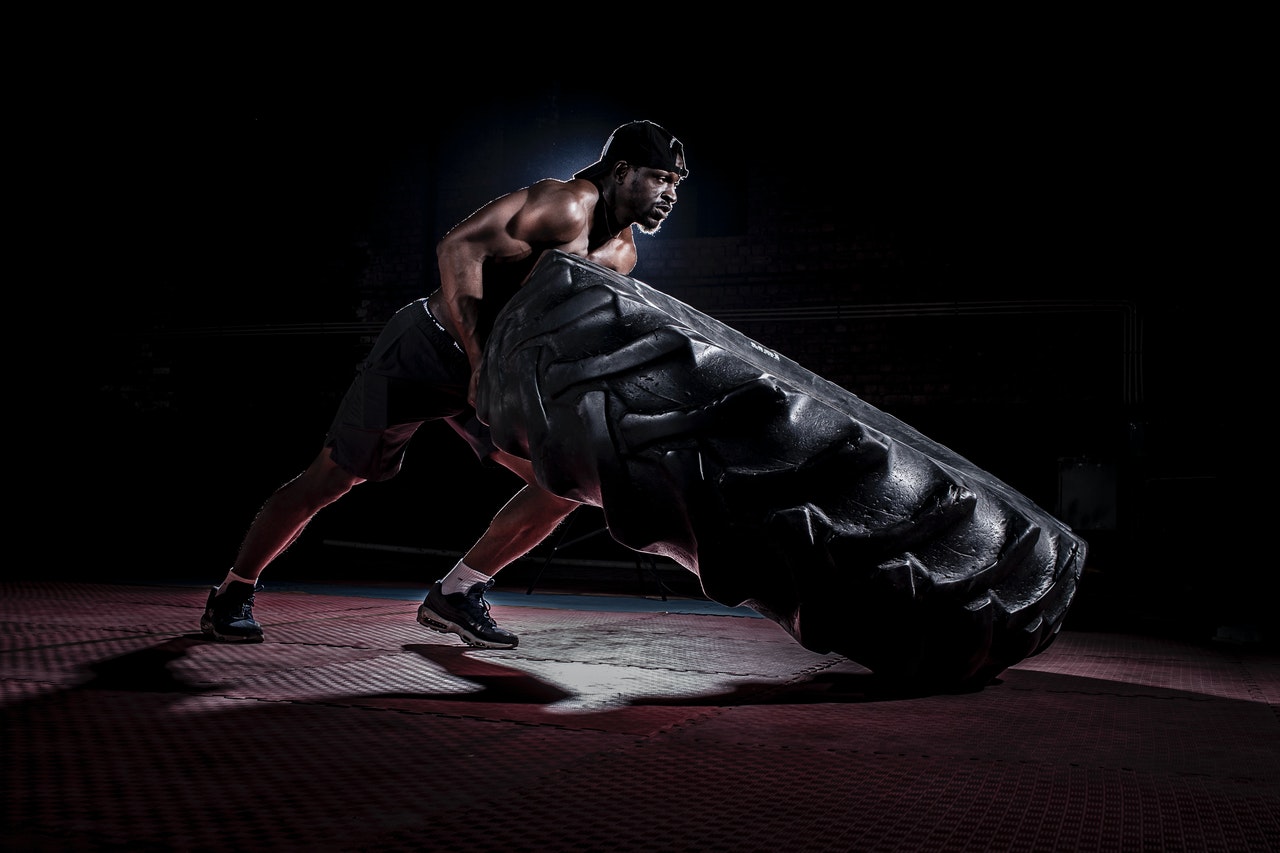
415	373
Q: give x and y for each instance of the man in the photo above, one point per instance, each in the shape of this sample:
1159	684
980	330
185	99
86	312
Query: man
424	366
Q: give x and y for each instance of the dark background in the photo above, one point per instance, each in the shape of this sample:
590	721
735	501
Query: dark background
225	257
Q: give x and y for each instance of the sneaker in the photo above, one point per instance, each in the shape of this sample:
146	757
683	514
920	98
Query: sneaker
229	617
465	614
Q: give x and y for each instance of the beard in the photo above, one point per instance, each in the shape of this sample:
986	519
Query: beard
651	223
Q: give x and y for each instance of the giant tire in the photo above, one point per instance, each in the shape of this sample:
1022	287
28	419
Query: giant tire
782	491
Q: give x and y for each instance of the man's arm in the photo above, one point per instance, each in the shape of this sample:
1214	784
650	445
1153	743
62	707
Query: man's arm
548	214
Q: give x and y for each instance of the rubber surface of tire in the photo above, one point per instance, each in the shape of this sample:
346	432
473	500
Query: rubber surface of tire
782	491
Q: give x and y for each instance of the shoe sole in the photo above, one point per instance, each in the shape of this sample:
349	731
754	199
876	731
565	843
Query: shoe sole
210	632
231	638
429	619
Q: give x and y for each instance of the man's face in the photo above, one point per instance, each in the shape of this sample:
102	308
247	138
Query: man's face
650	194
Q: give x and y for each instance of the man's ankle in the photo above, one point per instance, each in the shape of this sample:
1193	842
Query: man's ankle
231	578
461	578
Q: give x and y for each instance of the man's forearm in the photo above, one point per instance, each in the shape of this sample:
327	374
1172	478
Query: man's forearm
462	288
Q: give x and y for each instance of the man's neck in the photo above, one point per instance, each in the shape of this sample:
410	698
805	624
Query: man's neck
605	225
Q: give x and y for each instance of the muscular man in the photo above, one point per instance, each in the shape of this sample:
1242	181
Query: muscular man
424	366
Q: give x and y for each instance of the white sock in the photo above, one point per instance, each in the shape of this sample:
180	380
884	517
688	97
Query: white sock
231	578
461	578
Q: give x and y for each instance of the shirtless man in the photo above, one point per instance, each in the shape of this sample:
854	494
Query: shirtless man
424	366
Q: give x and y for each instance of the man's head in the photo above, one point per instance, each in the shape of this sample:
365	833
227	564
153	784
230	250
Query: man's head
639	143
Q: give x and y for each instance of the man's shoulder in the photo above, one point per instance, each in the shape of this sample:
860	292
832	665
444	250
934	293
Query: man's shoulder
571	202
576	187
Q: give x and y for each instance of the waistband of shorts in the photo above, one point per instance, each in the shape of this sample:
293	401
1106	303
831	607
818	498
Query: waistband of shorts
426	306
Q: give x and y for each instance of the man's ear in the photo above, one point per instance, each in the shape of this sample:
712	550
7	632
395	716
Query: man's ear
620	170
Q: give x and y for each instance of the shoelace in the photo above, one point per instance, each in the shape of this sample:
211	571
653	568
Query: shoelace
478	601
245	607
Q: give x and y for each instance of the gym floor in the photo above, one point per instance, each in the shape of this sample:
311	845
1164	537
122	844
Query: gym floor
620	723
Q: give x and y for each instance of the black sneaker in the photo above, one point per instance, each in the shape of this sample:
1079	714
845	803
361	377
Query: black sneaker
229	617
465	614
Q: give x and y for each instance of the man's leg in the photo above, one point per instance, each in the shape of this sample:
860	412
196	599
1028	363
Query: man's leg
288	511
456	604
228	613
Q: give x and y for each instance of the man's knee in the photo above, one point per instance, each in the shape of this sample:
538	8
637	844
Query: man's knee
325	480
